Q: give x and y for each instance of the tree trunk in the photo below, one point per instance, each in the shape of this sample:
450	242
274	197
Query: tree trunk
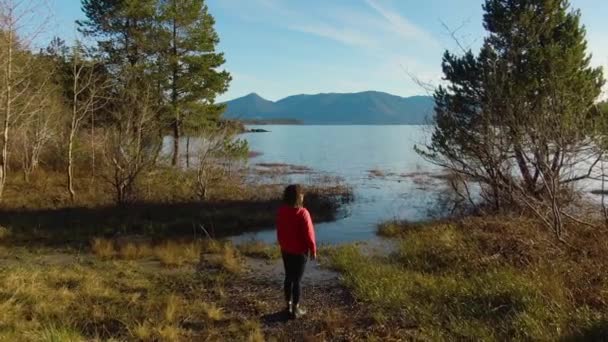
176	136
7	114
187	152
525	171
93	145
70	164
174	99
73	127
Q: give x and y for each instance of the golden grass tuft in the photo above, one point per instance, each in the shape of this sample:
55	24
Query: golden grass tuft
135	251
230	260
142	331
169	253
260	250
211	246
173	254
212	312
129	251
173	304
255	333
103	248
170	333
52	333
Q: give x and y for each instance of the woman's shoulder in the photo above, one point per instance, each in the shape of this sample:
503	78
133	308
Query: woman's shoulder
303	211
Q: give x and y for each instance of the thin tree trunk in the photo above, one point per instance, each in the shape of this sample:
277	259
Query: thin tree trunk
73	125
174	98
525	172
176	135
7	116
93	144
188	152
70	164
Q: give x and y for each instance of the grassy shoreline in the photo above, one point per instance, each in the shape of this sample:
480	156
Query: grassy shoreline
491	279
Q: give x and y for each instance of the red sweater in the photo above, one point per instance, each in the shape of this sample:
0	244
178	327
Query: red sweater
295	231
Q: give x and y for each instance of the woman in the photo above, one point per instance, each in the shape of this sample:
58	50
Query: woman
296	236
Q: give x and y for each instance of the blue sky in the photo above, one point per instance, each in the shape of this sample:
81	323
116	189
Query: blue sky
278	48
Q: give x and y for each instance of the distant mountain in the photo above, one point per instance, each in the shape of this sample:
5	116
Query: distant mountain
366	108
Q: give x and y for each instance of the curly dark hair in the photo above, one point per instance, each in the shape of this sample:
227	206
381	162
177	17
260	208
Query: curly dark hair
292	196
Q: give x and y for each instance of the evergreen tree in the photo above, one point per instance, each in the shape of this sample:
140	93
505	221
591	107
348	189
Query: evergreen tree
169	43
518	116
123	29
190	65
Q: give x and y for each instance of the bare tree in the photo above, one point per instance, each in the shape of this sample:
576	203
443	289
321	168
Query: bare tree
131	143
209	152
36	131
17	86
88	95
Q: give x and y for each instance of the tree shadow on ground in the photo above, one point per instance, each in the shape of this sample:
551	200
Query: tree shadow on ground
74	225
597	331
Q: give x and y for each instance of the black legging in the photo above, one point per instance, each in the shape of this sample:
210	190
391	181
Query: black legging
294	270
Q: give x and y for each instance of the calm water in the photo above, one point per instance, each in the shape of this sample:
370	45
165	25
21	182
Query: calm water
350	152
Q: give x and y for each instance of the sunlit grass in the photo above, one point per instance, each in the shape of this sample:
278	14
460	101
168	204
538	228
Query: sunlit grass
260	250
100	299
103	248
460	281
174	254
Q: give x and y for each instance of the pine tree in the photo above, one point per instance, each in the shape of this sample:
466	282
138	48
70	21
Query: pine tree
123	29
519	114
190	65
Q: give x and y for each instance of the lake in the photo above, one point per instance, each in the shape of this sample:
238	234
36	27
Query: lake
406	191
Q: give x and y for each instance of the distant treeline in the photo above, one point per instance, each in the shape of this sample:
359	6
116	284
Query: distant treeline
271	122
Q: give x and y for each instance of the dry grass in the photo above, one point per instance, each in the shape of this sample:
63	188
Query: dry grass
230	260
135	251
227	259
170	333
103	300
175	254
485	279
172	254
103	248
211	246
142	331
260	250
212	312
169	253
172	308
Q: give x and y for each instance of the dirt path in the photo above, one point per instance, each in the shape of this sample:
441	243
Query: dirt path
332	313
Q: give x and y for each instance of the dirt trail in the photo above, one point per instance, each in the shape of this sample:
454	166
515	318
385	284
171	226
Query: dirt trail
332	312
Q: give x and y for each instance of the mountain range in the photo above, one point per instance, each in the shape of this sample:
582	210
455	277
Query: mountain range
365	108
